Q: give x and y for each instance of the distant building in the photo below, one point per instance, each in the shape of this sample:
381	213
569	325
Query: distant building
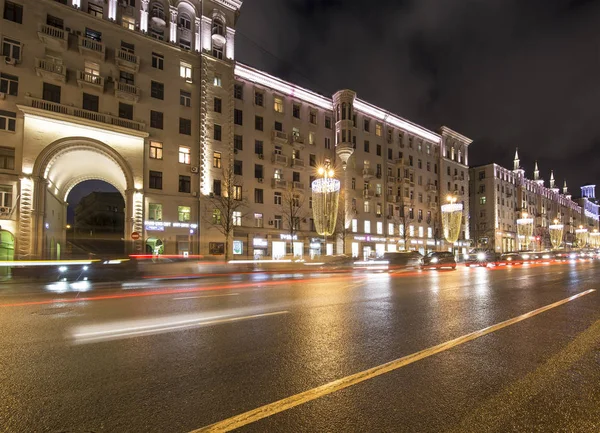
100	214
500	196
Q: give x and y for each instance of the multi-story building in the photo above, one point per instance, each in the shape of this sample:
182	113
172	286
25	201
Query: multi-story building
146	95
499	197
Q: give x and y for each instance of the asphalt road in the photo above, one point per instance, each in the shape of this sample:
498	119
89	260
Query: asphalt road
306	351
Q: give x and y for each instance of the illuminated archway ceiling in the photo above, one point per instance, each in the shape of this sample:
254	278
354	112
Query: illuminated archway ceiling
77	165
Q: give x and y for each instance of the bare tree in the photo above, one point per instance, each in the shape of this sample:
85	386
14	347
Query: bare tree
226	210
293	210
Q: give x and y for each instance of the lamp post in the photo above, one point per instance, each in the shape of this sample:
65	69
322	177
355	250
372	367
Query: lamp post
581	235
451	219
326	196
556	233
524	230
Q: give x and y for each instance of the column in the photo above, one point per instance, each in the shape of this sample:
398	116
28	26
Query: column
144	15
173	24
112	10
197	41
230	44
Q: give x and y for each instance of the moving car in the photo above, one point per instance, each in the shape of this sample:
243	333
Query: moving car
510	259
403	260
481	257
439	259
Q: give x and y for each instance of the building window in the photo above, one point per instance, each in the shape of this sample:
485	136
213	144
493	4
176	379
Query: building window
366	125
278	222
328	122
367	227
90	102
258	220
238	117
217	82
277	198
312	160
8	121
378	130
217	132
185	71
237	218
259	98
216	216
184	213
327	143
184	155
157	90
217	159
51	93
312	117
11	48
217	187
238	142
13	12
185	183
482	200
366	207
278	104
238	91
258	123
185	98
158	61
258	171
9	84
258	195
237	167
378	150
217	52
296	111
156	119
258	147
278	126
128	22
156	150
155	179
126	77
185	126
155	212
237	192
7	156
217	105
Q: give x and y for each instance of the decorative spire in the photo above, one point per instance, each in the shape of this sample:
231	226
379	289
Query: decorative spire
536	172
516	163
551	178
565	190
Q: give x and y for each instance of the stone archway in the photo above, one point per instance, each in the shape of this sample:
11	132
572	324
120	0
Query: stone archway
57	169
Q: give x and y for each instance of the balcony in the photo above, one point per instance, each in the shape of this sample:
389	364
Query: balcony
432	205
127	92
279	183
279	159
158	18
368	173
92	48
85	80
68	113
49	70
297	141
431	187
54	38
392	198
399	161
127	61
299	185
406	201
280	137
391	179
367	194
298	163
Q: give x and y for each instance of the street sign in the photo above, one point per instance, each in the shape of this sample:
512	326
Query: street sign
135	236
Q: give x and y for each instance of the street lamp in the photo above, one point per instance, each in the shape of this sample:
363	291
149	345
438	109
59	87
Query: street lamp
451	219
556	233
325	200
582	236
524	230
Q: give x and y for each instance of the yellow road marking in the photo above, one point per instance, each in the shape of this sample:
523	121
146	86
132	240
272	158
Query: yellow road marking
257	414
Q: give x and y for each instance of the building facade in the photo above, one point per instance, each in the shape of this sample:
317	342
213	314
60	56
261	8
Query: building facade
147	96
499	197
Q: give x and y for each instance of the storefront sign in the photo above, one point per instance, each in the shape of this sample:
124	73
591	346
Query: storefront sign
288	237
168	224
155	228
260	243
369	239
315	245
238	247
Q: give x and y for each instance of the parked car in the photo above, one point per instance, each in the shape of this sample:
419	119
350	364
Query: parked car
403	260
481	257
439	259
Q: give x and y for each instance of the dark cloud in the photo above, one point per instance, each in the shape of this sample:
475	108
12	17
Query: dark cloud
506	73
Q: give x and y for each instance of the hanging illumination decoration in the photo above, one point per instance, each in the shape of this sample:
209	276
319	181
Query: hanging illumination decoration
525	231
451	219
325	200
556	234
594	239
582	236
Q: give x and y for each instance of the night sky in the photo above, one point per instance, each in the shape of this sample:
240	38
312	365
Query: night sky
506	73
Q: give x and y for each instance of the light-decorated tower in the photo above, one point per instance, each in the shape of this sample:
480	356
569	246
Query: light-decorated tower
343	111
553	186
536	175
517	169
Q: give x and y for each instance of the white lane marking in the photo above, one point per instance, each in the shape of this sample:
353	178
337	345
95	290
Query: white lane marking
204	296
136	331
265	411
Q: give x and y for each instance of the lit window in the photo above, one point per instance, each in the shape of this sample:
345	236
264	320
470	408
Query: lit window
379	228
237	192
185	71
258	220
354	225
217	80
237	218
278	104
156	150
367	226
378	130
367	207
184	213
155	212
482	200
217	159
128	23
411	230
311	138
216	216
391	229
184	155
420	231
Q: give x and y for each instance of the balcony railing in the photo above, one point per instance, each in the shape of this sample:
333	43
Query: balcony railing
391	179
127	61
87	79
392	198
91	47
368	172
431	187
279	159
297	162
94	116
45	68
127	91
298	185
279	183
280	136
54	37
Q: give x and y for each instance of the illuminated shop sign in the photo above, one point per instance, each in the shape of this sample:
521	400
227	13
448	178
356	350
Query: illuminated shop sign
153	225
260	243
